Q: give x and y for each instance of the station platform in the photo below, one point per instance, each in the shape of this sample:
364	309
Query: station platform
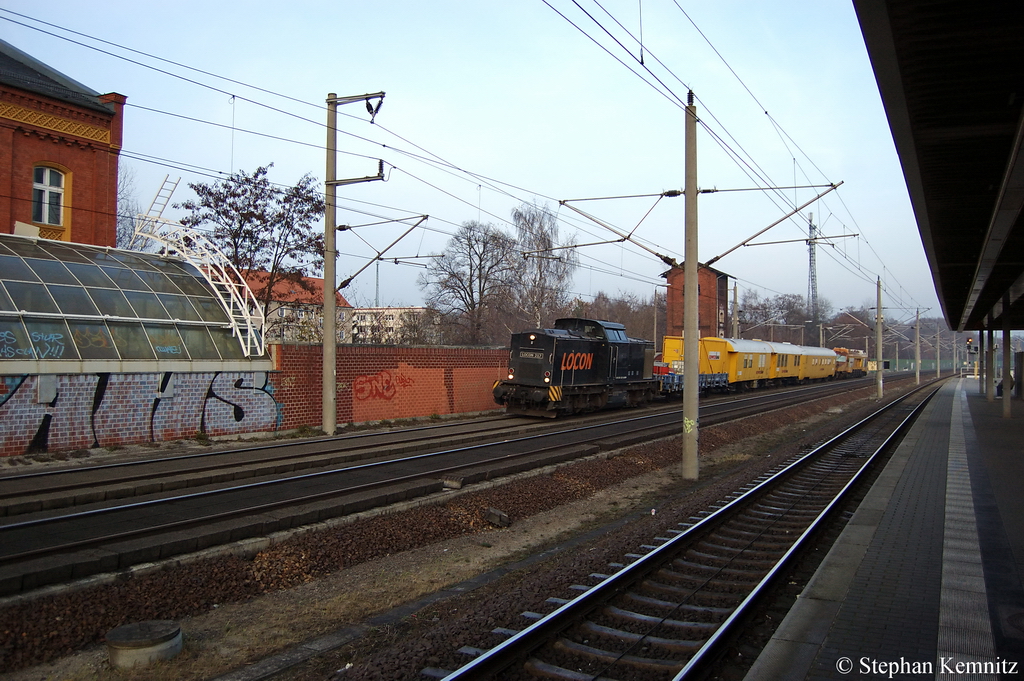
925	580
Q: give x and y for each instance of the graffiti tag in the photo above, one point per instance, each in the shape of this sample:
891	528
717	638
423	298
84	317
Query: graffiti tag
383	385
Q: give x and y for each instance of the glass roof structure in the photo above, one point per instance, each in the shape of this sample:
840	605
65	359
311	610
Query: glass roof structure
69	308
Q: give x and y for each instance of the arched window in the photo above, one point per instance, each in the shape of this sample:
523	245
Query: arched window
47	196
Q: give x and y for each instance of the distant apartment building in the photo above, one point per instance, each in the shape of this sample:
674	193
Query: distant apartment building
391	326
295	311
59	147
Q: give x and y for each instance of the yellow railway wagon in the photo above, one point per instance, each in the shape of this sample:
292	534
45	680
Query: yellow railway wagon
850	363
787	362
817	363
747	363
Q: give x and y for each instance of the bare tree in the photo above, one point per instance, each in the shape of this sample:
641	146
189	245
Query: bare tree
629	309
541	290
470	284
419	327
128	207
262	228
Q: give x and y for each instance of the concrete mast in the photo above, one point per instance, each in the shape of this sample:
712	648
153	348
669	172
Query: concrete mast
691	321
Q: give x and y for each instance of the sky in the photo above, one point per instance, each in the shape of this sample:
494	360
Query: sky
489	105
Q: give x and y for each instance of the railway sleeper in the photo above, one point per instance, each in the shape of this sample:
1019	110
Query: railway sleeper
716	548
750	526
544	670
763	544
774	512
700	598
567	647
776	523
768	534
697	629
769	545
712	584
674	646
749	563
816	487
688	566
703	613
791	495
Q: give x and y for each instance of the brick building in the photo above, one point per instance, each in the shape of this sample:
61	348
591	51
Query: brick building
295	312
59	146
712	305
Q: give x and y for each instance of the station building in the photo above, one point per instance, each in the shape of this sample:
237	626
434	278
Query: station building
59	146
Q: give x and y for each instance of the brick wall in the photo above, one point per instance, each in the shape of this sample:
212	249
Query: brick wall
80	411
386	382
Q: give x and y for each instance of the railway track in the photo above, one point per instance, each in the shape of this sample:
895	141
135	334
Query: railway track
64	525
671	610
67	487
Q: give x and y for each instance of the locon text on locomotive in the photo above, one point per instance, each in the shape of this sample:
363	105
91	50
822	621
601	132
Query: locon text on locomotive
577	360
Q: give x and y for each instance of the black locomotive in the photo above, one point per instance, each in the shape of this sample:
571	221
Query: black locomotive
580	365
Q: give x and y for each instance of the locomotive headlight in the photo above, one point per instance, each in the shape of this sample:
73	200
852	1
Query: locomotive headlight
533	337
511	373
547	376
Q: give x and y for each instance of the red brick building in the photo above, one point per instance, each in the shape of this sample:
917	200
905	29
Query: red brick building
712	305
295	309
59	146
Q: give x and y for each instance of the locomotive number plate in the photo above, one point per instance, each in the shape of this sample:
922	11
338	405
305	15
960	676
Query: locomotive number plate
531	354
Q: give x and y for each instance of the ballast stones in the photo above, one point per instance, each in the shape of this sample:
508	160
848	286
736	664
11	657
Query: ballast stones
142	643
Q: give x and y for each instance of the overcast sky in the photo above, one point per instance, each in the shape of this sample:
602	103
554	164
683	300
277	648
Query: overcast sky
492	104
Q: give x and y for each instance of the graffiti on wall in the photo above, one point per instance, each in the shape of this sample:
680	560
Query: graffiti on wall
383	385
52	413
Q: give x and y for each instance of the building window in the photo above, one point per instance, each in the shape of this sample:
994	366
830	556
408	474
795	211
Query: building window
47	196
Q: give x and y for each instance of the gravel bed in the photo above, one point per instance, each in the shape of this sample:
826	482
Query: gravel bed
52	627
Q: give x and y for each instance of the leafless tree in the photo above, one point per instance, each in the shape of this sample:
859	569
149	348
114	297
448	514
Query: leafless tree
470	284
541	292
420	327
128	207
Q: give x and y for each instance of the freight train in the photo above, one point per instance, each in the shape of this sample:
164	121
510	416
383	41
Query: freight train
585	364
739	364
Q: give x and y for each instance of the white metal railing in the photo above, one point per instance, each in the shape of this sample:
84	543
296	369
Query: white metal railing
244	310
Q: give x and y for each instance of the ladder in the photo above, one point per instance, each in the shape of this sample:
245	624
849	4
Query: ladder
143	226
163	197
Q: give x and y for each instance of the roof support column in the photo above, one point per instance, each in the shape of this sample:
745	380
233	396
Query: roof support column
1007	380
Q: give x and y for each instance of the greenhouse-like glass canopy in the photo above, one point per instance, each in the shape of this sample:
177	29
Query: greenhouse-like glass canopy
69	308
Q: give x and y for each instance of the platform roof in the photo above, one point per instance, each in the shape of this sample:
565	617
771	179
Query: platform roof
74	308
951	77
